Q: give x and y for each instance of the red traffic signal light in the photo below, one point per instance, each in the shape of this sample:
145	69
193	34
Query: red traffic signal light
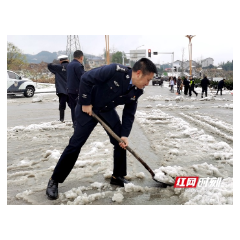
149	52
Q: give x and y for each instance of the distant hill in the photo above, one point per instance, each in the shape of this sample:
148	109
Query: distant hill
48	57
43	56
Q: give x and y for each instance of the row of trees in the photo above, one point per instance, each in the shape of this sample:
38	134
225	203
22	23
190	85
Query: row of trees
214	84
15	57
228	66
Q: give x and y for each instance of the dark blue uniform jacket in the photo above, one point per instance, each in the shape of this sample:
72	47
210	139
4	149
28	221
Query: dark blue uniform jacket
60	76
186	82
74	72
221	84
205	82
105	88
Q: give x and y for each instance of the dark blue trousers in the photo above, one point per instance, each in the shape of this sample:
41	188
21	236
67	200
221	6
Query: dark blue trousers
63	99
72	102
204	89
80	136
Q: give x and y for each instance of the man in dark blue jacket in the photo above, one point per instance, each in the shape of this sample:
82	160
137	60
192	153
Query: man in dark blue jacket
186	86
102	90
204	84
60	72
75	71
221	84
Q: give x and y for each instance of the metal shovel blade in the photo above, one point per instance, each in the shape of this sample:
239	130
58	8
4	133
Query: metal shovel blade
163	185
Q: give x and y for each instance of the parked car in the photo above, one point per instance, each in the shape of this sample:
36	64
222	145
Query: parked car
16	84
156	80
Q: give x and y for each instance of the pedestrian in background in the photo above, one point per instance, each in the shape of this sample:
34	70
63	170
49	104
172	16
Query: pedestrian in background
179	82
191	87
75	70
181	87
186	85
175	80
221	84
60	72
171	84
102	90
205	83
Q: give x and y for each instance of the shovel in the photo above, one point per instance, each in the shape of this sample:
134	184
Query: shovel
109	130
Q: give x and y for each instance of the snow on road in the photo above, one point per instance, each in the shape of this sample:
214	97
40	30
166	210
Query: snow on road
185	140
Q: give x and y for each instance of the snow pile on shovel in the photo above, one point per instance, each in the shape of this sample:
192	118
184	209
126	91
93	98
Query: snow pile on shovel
168	174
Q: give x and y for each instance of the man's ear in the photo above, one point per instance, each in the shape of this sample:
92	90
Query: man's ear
139	73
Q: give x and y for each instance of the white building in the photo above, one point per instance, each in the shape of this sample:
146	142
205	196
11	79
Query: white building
177	64
206	62
93	63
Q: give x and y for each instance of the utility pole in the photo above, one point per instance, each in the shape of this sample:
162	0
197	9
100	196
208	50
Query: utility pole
107	49
73	44
190	51
182	61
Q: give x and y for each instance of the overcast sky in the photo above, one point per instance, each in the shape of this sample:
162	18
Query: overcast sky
218	47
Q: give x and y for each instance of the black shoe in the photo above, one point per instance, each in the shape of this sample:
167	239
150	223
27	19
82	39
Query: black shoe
61	115
52	189
120	181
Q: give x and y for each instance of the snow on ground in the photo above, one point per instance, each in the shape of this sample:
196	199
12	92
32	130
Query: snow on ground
45	87
179	141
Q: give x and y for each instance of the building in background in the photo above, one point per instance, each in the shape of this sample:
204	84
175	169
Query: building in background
96	62
207	62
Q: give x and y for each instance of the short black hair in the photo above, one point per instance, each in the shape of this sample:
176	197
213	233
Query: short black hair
145	65
77	54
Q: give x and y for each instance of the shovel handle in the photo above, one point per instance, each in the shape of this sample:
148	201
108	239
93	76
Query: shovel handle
116	137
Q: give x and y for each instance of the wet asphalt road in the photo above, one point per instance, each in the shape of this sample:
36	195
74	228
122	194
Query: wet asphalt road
21	110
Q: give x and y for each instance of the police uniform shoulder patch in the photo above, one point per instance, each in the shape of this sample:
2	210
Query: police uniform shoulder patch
121	69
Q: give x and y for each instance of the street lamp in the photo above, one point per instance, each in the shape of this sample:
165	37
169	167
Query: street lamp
190	51
139	47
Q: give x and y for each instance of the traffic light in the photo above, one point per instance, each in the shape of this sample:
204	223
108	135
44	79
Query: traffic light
175	69
149	52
